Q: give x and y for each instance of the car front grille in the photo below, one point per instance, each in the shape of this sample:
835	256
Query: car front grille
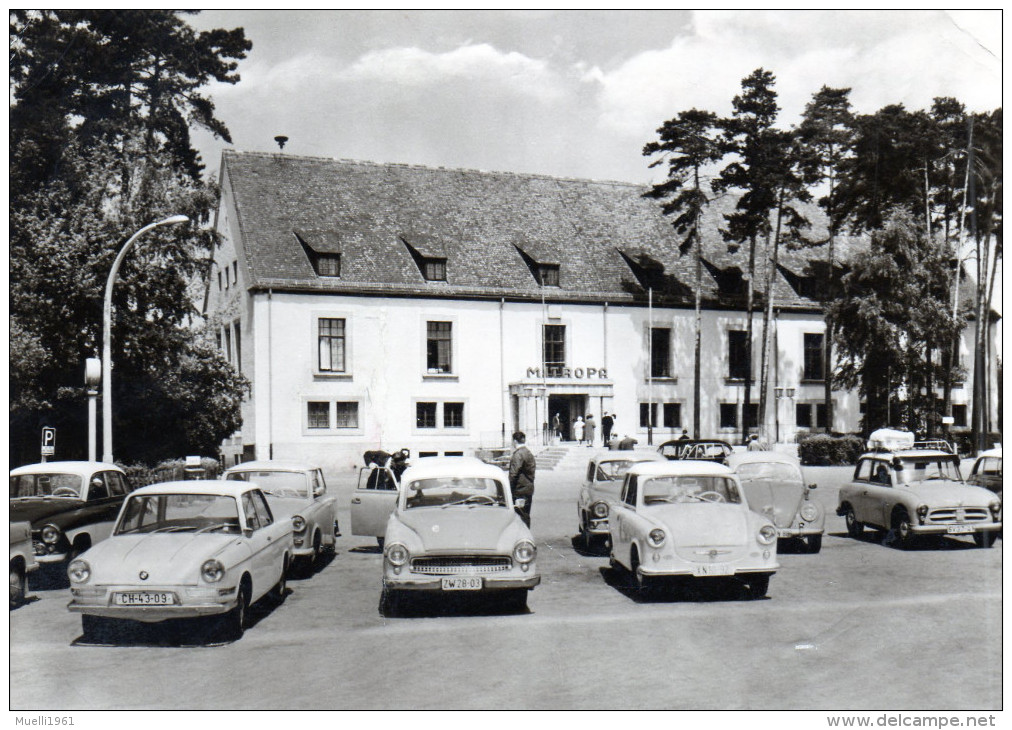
959	514
458	564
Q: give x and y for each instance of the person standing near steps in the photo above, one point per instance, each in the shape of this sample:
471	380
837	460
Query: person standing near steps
522	467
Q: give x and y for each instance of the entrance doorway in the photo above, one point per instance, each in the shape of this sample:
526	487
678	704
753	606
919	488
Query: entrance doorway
568	407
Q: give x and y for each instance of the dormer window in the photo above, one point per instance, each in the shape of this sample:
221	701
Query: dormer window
328	264
428	253
434	269
323	248
539	257
548	274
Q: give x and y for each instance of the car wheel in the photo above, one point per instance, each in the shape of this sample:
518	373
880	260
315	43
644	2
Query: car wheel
854	528
588	538
19	585
814	543
235	620
641	583
758	585
985	539
96	628
317	548
901	534
280	589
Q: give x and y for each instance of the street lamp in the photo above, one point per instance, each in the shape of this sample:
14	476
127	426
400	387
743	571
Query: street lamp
781	393
107	333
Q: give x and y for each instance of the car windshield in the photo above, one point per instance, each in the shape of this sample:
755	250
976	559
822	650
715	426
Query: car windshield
449	491
179	513
613	471
914	471
46	485
277	483
682	489
771	470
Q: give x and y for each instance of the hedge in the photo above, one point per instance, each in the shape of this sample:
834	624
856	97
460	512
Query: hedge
824	450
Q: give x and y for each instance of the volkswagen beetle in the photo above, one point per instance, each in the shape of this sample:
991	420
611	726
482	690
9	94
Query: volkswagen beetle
690	519
605	473
454	529
184	550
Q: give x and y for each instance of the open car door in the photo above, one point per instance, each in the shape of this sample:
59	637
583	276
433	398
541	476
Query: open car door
373	501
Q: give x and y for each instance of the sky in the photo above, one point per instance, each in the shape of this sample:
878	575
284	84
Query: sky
569	93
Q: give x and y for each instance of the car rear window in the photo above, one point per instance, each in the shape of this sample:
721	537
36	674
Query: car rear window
46	485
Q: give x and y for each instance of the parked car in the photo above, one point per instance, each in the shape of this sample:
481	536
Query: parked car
605	473
776	489
917	491
71	505
701	450
690	519
373	501
455	529
298	491
987	471
184	549
22	561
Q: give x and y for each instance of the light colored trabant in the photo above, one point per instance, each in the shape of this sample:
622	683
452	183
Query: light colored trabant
605	473
776	489
917	491
298	491
184	550
455	529
690	519
22	561
373	501
987	471
71	505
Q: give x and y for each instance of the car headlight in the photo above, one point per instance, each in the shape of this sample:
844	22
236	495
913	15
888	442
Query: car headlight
212	571
397	554
600	509
78	571
298	523
922	511
656	537
51	534
767	534
995	508
809	511
524	551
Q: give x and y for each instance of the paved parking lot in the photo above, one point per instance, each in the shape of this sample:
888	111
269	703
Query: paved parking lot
859	626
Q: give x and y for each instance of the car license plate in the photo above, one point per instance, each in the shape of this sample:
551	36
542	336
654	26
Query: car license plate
145	598
703	571
462	584
959	529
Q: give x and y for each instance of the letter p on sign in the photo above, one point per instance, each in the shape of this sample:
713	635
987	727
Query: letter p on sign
48	441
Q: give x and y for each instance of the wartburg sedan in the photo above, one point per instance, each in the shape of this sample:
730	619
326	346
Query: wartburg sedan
604	480
690	520
912	492
71	505
300	492
776	489
455	530
184	550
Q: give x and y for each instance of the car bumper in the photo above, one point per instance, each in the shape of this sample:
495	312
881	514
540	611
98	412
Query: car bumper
598	527
434	583
189	604
51	558
690	572
961	528
788	532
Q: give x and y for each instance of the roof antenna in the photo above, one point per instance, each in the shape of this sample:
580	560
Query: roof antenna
281	139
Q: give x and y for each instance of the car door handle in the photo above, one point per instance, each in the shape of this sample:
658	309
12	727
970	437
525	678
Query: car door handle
356	501
865	493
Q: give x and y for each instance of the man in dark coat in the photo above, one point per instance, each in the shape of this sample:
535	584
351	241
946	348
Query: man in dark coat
607	423
522	466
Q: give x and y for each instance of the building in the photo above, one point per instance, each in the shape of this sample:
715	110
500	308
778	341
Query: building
380	305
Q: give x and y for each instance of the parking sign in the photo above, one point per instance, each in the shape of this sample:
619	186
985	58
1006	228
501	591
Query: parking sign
48	441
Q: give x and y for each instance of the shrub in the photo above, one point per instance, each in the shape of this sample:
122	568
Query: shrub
175	469
139	475
824	450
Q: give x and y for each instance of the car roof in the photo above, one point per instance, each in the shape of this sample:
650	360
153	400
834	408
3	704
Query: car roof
910	454
752	457
456	466
197	486
690	442
629	456
268	465
681	467
65	466
996	452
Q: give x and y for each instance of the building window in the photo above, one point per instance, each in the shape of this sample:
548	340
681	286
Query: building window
548	274
660	352
729	415
752	417
439	347
346	414
672	415
959	415
238	345
820	416
554	349
328	264
226	278
815	359
453	415
219	281
332	345
228	343
318	414
648	414
737	353
803	415
425	415
235	272
434	270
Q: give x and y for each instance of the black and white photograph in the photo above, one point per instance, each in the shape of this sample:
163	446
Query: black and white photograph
540	361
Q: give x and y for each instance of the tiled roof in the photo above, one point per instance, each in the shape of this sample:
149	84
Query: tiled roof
603	235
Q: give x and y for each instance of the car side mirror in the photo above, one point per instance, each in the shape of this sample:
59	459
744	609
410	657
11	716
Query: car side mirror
247	532
318	491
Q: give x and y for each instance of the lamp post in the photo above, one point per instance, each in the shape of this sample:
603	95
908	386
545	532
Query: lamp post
107	333
781	393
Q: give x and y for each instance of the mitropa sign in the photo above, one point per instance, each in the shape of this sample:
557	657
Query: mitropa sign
48	441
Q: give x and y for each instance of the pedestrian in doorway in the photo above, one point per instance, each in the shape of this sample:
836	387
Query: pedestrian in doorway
607	424
590	429
578	427
557	427
522	467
